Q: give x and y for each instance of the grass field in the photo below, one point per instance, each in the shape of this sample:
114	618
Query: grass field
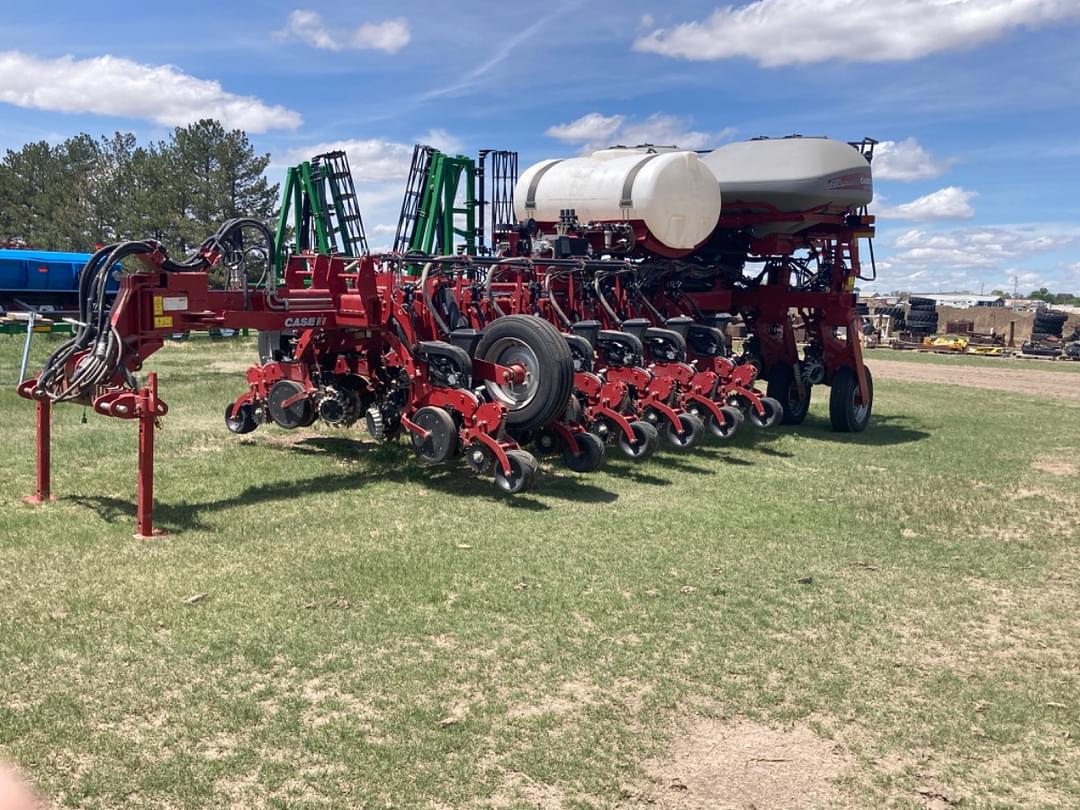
795	619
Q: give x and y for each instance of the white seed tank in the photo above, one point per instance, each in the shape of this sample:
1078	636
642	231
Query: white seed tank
672	192
792	174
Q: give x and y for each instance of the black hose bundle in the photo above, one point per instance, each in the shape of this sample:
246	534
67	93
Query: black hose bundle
95	338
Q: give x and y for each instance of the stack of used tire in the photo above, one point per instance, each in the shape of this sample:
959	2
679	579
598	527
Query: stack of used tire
1048	326
1046	334
897	315
922	317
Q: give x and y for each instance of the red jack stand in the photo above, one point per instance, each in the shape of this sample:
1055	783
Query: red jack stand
44	457
148	408
145	406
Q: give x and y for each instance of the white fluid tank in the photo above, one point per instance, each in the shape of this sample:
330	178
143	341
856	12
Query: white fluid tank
793	174
673	193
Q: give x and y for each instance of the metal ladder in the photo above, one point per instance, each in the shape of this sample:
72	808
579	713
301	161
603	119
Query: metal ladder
319	206
414	192
429	210
344	226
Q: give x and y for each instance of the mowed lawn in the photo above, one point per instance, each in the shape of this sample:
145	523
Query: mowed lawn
793	619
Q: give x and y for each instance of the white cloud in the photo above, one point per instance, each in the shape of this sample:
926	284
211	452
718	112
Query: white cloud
1073	277
971	248
951	202
389	35
594	131
590	127
372	160
785	32
110	85
442	140
905	160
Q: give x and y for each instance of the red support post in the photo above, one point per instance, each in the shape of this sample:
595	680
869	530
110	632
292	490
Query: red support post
147	407
44	453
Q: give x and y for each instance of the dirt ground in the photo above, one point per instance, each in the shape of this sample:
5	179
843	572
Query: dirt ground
1012	379
736	766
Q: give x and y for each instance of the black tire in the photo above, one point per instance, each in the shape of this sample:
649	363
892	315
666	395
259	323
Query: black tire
922	317
733	419
693	431
774	413
537	345
647	441
443	441
243	422
522	472
590	457
846	412
783	387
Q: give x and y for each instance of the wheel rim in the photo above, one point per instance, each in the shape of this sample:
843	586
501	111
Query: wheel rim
509	351
859	409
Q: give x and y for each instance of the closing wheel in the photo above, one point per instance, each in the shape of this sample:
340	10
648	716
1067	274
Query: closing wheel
774	413
522	472
645	441
590	456
693	431
783	386
244	421
442	437
847	411
732	419
536	350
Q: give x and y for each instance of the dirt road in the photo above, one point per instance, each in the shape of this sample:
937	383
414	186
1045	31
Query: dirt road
1013	380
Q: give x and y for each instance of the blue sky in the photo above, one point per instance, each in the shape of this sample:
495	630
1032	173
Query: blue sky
979	101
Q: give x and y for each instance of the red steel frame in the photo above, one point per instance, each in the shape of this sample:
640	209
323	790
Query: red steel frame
339	307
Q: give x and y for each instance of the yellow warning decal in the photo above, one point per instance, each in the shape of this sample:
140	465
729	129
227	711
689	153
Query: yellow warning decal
159	306
162	321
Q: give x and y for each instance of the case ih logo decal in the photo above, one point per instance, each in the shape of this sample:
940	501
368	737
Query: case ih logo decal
851	181
310	321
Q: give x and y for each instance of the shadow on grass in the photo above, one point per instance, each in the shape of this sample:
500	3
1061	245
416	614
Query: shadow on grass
390	462
882	431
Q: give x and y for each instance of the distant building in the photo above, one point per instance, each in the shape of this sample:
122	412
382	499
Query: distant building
962	300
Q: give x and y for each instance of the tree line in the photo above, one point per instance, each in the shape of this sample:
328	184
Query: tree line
86	191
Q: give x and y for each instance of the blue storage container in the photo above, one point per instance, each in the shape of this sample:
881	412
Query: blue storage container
41	271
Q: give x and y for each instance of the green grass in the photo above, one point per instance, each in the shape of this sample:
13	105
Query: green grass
376	633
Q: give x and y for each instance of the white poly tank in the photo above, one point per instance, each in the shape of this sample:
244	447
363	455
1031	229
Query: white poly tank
792	174
673	193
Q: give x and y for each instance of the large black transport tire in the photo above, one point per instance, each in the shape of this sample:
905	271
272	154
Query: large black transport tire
847	411
536	345
783	387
